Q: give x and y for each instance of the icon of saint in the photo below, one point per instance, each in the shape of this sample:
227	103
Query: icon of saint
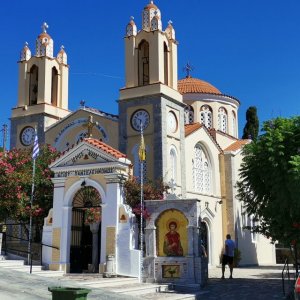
172	244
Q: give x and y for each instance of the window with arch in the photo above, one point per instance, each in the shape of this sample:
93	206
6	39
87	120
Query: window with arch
33	85
143	65
234	131
173	164
222	119
206	116
188	115
54	86
201	170
166	65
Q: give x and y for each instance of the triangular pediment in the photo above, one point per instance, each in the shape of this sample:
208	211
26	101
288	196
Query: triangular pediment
88	152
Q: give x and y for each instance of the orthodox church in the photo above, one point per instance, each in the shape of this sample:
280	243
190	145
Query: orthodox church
190	130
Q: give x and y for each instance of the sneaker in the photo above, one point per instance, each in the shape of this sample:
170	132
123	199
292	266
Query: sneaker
230	277
222	277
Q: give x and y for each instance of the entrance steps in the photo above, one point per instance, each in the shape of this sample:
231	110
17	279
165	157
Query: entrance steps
132	287
19	265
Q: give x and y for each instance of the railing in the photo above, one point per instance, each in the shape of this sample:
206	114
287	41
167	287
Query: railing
30	254
285	274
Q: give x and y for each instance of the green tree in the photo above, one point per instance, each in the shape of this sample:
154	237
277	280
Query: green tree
251	128
269	185
16	183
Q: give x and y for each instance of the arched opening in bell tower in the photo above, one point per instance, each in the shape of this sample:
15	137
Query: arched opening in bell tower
54	85
143	63
33	85
166	65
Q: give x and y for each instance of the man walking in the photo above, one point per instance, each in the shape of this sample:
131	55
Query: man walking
228	255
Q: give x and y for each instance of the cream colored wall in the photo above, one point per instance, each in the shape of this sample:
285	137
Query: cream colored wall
260	252
110	127
45	66
213	154
156	42
223	140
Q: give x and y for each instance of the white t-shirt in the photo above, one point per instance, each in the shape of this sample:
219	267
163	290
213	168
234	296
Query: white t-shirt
230	246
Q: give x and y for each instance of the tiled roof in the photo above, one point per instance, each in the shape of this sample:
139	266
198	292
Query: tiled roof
108	149
194	85
190	128
237	145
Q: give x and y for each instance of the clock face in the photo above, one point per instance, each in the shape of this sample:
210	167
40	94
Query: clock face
172	122
27	136
140	118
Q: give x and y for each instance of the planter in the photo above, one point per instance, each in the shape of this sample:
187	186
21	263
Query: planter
68	293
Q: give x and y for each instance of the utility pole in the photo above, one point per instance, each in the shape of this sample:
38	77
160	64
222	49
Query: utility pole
4	136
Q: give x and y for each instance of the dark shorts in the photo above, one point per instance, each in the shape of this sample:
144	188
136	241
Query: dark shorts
227	260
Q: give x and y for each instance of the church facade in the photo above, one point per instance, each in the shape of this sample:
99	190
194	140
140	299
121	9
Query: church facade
190	130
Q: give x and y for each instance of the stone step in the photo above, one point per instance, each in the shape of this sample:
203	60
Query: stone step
12	262
137	289
171	295
111	282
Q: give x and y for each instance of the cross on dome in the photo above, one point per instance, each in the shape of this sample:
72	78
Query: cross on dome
170	22
45	26
188	68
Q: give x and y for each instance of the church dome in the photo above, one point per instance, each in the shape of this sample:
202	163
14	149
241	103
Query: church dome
194	85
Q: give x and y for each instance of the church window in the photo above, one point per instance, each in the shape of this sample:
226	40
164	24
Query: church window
33	85
166	65
222	119
201	171
188	115
173	164
206	116
143	66
54	86
234	133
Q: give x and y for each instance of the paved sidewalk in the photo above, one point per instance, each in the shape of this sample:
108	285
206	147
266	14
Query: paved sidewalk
247	283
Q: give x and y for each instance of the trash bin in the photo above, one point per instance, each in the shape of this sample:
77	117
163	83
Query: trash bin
68	293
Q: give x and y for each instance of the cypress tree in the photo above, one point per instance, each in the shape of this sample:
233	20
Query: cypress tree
252	125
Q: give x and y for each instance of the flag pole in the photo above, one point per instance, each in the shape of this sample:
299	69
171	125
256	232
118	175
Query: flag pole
35	152
142	156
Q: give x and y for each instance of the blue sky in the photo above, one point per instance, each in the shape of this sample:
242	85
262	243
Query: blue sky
247	49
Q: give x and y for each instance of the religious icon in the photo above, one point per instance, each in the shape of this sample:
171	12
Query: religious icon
172	244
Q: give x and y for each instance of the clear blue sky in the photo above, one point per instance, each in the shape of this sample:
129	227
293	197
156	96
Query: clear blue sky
247	49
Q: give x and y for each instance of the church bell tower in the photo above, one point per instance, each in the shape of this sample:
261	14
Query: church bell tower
42	91
150	100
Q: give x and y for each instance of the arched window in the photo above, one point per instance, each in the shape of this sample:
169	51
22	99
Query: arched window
166	65
234	131
54	86
33	85
222	119
173	164
206	116
143	67
201	171
188	115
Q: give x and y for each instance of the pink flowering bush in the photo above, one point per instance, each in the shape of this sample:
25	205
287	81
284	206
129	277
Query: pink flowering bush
16	183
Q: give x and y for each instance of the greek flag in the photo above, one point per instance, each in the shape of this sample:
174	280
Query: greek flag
36	150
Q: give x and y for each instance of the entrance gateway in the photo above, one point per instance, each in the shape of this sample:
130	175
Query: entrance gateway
89	178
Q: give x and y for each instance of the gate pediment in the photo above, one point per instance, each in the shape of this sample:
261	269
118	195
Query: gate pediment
89	154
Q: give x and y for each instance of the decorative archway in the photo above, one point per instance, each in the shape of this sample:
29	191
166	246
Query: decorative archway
84	246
